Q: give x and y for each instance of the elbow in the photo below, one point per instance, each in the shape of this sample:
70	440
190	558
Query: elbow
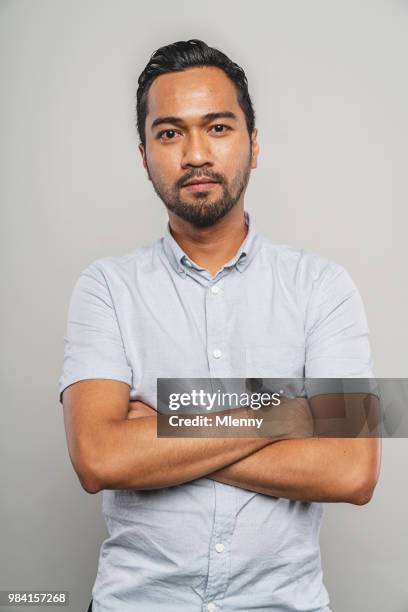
90	483
362	491
89	471
89	478
97	469
362	497
100	473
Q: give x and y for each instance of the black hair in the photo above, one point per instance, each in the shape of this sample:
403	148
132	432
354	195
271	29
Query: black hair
185	54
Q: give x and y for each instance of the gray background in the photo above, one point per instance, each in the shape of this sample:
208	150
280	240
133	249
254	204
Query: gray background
329	83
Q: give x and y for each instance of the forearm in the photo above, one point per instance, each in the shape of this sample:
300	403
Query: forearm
134	457
312	469
128	454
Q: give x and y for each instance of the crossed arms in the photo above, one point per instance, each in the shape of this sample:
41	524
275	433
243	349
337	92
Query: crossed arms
114	445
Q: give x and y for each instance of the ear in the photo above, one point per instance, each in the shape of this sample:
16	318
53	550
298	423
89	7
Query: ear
254	149
143	154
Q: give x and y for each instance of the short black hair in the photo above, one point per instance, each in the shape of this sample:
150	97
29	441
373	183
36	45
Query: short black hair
185	54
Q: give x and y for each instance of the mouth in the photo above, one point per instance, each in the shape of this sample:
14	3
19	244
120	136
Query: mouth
200	185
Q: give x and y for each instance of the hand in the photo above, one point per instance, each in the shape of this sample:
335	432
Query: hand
140	409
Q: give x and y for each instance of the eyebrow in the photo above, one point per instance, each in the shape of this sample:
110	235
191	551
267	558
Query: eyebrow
204	119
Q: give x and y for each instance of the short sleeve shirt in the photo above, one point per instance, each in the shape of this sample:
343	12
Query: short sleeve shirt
271	311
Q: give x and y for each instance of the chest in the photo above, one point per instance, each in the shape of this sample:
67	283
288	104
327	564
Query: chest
241	326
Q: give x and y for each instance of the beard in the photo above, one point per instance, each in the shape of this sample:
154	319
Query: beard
203	209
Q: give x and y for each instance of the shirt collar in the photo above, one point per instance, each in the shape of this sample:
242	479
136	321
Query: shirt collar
181	262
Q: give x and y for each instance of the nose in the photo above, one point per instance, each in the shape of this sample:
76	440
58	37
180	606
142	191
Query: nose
197	151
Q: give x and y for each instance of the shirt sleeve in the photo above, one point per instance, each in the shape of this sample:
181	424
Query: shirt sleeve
93	346
337	334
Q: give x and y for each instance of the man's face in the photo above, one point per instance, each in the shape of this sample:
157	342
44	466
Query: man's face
196	131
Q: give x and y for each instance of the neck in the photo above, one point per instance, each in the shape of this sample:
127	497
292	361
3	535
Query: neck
211	247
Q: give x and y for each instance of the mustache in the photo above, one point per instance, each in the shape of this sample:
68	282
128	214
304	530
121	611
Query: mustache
197	174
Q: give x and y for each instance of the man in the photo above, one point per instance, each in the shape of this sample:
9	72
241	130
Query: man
215	524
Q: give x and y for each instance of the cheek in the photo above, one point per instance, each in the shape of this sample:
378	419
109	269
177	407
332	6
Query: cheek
232	151
234	163
163	167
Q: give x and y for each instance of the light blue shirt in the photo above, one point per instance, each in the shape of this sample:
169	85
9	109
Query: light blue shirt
271	311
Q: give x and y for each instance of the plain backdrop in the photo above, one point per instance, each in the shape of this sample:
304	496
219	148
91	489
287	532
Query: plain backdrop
329	83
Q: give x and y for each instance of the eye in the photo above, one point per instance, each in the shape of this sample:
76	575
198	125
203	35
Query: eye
167	135
220	128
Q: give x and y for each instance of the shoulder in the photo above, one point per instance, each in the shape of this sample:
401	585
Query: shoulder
113	268
305	268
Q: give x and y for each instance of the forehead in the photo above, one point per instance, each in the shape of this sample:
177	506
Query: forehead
192	93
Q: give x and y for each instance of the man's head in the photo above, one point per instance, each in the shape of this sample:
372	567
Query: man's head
196	122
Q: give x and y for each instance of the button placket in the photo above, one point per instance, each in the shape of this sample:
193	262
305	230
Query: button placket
215	314
220	559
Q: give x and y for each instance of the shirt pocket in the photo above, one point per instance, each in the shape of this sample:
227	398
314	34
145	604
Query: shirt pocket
286	361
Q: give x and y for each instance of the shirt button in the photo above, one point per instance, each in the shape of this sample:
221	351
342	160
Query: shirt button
217	353
211	607
215	289
219	547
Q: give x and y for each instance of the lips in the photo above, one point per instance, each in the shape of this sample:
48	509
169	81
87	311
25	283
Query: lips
201	187
200	184
201	181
